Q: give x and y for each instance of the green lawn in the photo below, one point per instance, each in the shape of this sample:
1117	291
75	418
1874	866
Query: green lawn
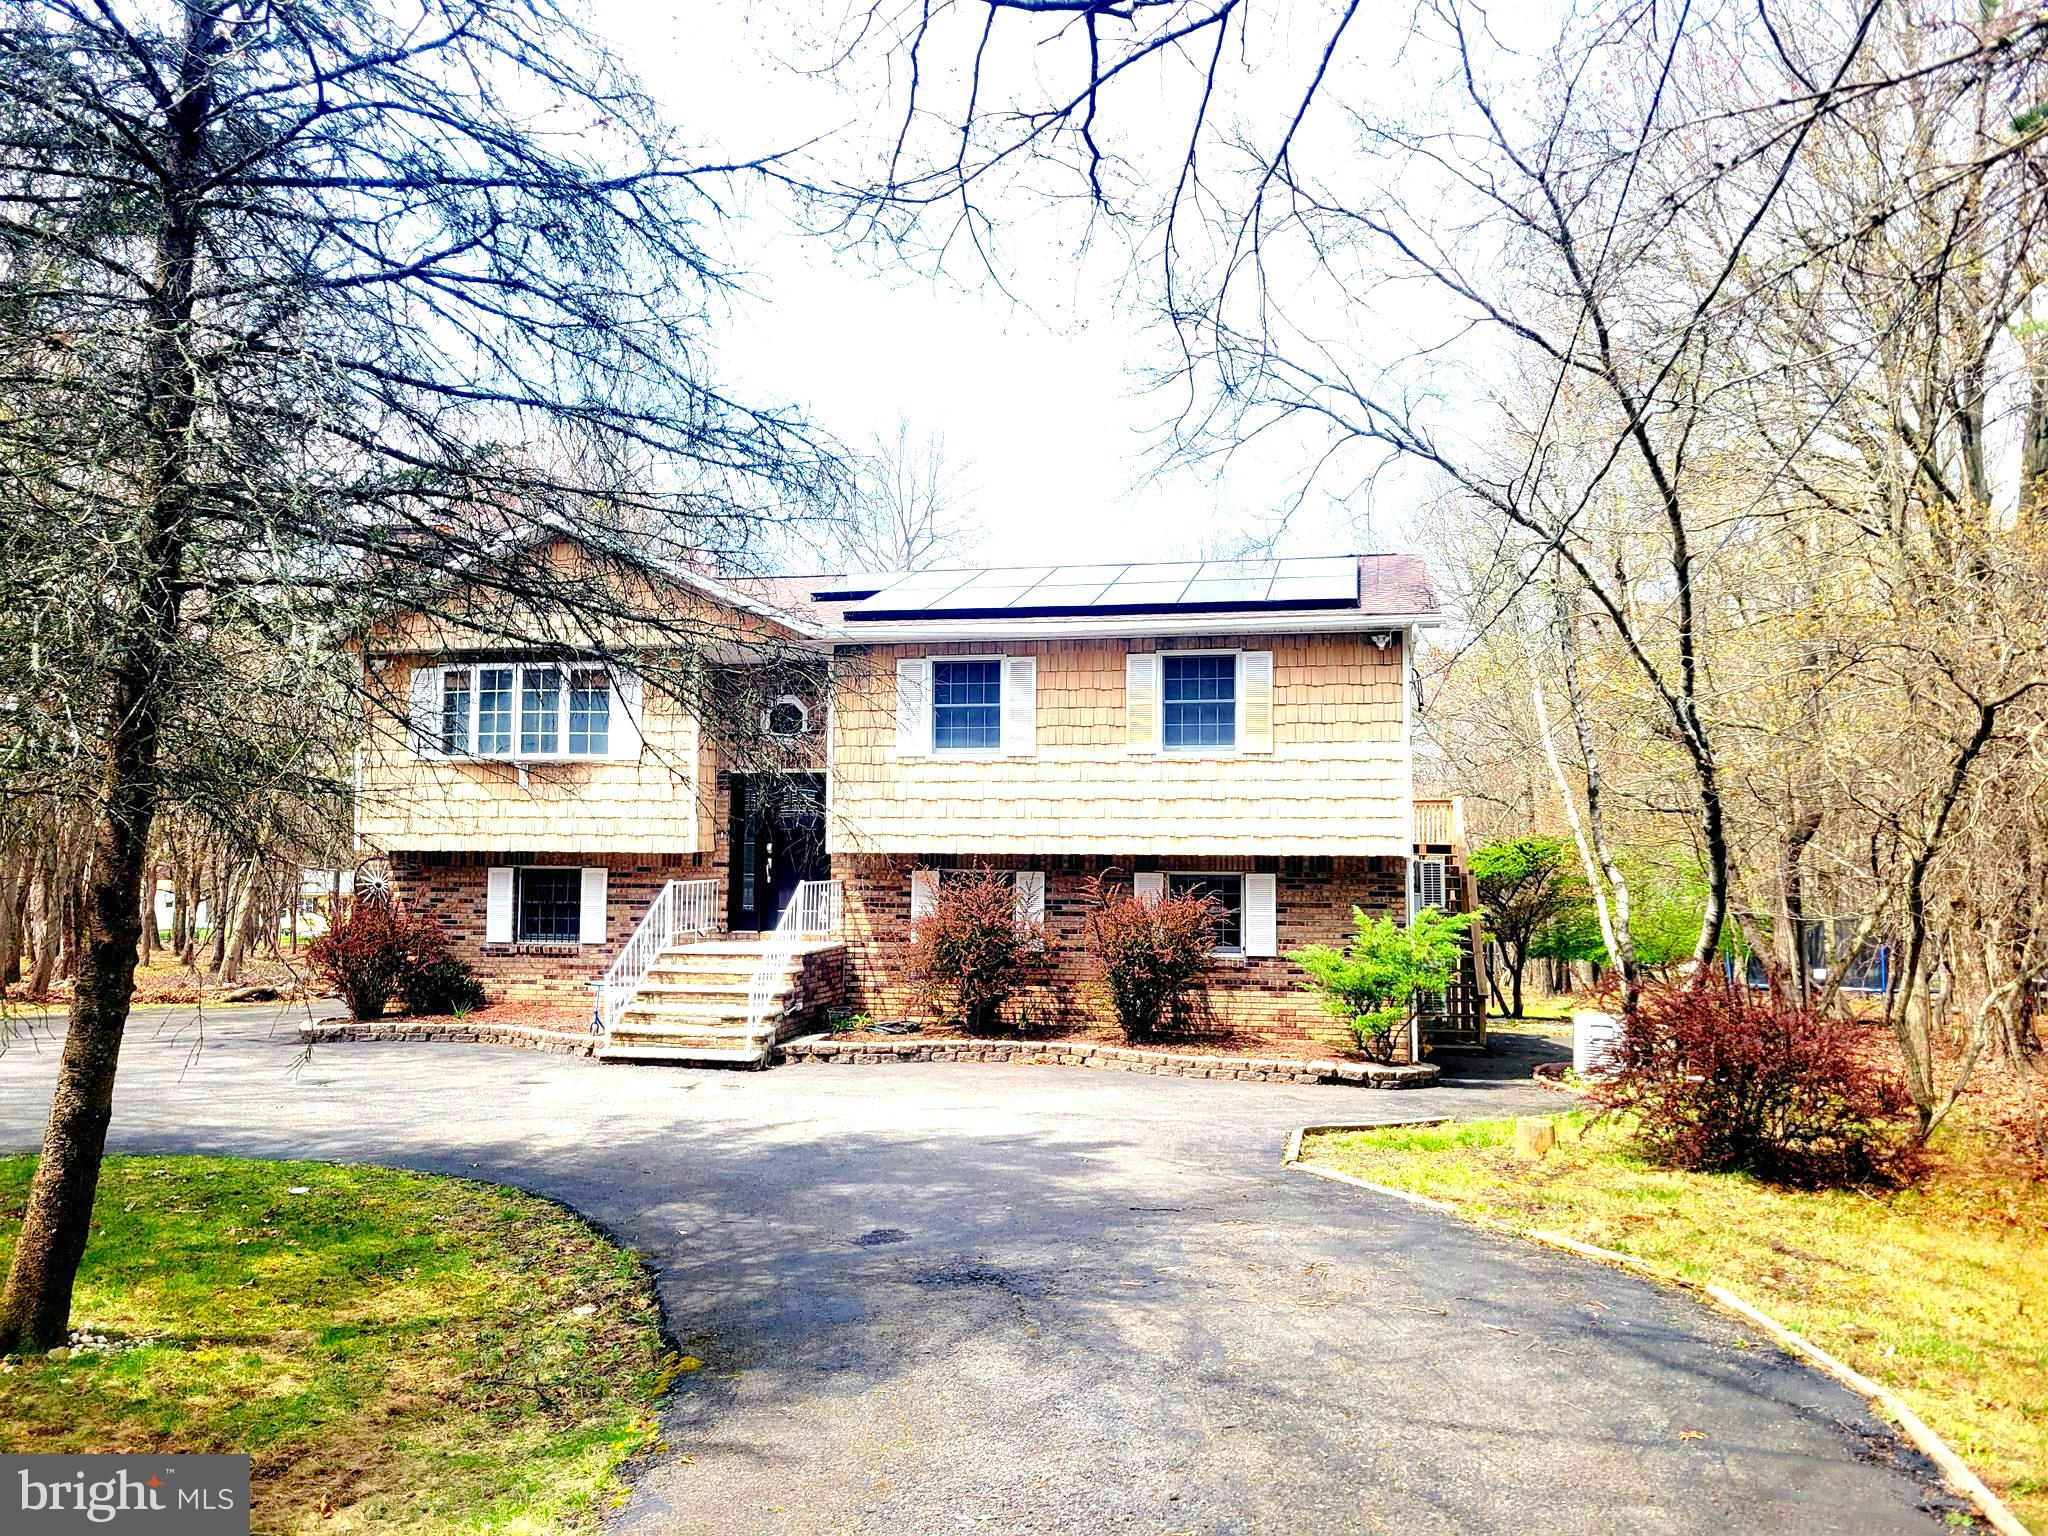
399	1353
1940	1291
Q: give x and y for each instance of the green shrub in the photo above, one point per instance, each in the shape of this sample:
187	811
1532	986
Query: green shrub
1372	982
441	984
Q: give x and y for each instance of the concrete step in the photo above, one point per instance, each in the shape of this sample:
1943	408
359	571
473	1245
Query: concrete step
687	1014
740	949
681	1052
647	1031
688	968
696	987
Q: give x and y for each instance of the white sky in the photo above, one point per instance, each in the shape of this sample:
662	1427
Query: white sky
1043	400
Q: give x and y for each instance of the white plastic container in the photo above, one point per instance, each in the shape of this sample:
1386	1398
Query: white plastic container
1594	1035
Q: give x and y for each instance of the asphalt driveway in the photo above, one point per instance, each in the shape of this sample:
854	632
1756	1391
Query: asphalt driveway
937	1298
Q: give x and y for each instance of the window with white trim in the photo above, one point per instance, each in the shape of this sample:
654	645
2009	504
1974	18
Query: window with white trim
967	706
455	712
493	734
590	712
540	711
1198	709
521	710
1227	892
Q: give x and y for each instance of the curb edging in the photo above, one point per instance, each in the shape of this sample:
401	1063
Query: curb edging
1954	1469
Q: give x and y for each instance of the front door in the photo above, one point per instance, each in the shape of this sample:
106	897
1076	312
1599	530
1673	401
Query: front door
778	842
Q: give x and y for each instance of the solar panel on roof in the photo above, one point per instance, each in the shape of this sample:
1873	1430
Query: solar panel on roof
1159	587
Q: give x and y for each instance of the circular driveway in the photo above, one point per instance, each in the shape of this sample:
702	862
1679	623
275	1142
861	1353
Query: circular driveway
937	1298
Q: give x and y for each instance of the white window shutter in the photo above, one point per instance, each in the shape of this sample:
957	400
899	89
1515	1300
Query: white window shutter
591	927
914	707
627	695
1020	706
426	710
1255	701
1141	701
924	891
1148	885
498	905
1031	897
1414	888
1261	915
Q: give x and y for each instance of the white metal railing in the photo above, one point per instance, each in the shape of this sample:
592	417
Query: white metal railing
684	907
812	913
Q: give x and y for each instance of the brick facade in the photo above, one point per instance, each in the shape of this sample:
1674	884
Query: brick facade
1247	995
451	887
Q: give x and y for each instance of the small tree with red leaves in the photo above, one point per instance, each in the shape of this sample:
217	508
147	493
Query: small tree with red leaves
1719	1078
967	953
377	950
1153	952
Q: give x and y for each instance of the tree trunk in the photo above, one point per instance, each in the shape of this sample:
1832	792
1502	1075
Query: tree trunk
35	1309
1621	946
1521	958
10	925
148	914
43	930
222	907
248	900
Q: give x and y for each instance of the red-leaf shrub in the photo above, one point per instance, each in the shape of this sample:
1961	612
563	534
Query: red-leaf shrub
967	952
1152	953
1721	1078
377	949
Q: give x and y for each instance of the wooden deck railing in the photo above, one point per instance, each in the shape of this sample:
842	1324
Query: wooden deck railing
1439	821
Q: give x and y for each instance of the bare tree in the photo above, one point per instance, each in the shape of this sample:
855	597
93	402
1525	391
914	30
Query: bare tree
907	506
309	312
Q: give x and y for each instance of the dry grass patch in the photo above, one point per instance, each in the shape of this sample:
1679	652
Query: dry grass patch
397	1352
1939	1290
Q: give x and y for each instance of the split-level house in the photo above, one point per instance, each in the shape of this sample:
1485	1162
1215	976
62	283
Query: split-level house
706	876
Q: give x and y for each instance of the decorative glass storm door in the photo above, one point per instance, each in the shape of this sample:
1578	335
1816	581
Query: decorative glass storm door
778	842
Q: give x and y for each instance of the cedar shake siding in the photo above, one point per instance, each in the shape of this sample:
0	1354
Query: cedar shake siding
658	801
1079	768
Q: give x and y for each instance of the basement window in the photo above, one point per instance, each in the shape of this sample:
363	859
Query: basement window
549	905
1228	894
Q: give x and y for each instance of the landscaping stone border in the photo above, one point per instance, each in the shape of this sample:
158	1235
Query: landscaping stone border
529	1037
825	1050
1956	1472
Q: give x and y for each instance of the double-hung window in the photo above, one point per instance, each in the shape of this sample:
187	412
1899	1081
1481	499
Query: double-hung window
590	712
540	711
455	711
493	711
1227	892
967	706
517	710
1198	701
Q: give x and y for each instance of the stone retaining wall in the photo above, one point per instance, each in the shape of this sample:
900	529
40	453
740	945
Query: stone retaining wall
822	1049
559	1042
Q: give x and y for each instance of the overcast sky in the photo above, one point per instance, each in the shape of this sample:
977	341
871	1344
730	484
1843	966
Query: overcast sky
1042	399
